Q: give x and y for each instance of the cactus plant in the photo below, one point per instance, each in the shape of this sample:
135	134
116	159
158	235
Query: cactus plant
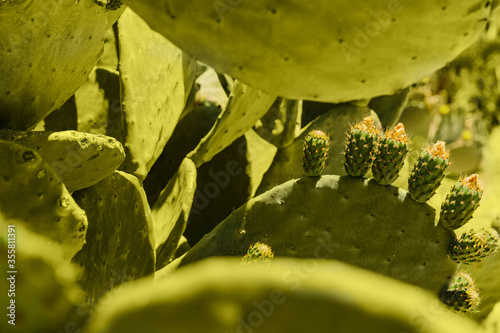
390	155
473	247
233	122
356	56
287	163
462	294
39	282
31	192
336	297
165	69
79	159
120	243
428	172
360	144
53	45
200	146
461	202
170	212
351	219
316	146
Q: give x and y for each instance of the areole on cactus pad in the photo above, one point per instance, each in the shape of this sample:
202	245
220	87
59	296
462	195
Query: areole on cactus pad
320	50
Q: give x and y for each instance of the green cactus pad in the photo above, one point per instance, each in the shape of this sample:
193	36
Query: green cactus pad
359	151
355	220
461	202
473	247
258	252
31	192
390	155
120	244
287	163
336	298
156	78
53	45
316	145
171	211
245	107
80	159
461	294
428	172
358	54
37	277
98	104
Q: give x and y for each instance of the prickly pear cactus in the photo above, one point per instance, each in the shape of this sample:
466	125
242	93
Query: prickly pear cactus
350	219
473	247
80	159
390	155
170	213
316	145
264	299
120	243
461	294
360	144
461	202
428	172
356	55
31	192
39	283
335	121
155	80
53	45
246	105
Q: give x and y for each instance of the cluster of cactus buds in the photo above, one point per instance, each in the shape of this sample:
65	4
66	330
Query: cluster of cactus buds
473	247
315	149
260	252
390	155
359	150
428	172
461	202
461	295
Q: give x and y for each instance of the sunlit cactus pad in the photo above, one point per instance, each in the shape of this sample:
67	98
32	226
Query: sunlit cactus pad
289	295
351	219
349	50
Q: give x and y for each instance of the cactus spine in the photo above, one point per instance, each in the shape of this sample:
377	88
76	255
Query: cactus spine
315	149
359	150
461	202
428	172
390	155
472	247
461	295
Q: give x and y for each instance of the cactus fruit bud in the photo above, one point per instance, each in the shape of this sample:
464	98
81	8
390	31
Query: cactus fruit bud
472	247
461	202
461	295
315	148
359	150
390	155
258	252
428	172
